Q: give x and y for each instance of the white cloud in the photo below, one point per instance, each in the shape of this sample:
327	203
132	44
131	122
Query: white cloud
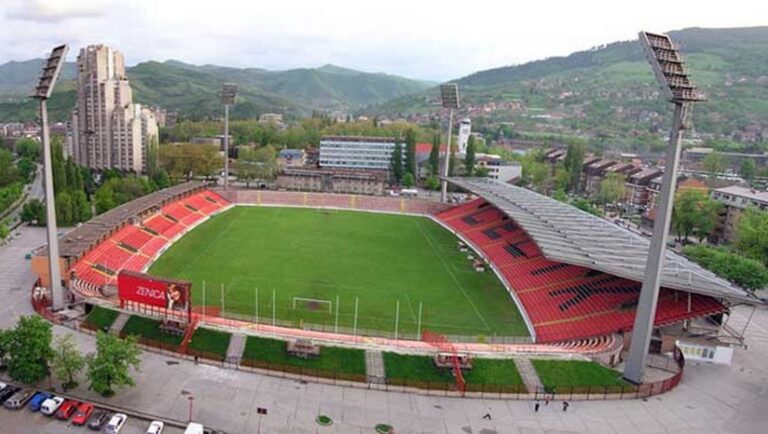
429	39
55	10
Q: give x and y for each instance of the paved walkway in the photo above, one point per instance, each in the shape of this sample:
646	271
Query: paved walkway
374	367
236	348
528	374
119	323
710	399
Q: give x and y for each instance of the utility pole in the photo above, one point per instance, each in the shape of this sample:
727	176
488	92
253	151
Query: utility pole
449	94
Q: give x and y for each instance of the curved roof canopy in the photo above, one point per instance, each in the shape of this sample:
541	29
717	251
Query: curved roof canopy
566	234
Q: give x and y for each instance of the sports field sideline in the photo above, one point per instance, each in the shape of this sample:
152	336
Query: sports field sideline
315	254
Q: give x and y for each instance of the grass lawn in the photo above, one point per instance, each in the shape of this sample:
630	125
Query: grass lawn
211	341
344	360
493	371
101	318
567	373
379	259
414	368
150	329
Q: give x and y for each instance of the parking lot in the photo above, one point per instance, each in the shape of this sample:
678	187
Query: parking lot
25	422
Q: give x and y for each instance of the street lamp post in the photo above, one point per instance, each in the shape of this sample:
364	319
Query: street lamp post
228	93
42	92
668	67
449	94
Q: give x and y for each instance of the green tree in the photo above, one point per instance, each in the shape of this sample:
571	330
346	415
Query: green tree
104	199
29	349
111	366
434	156
33	212
29	148
161	179
469	158
8	171
574	162
694	213
612	188
408	180
67	361
748	169
714	163
752	234
452	162
5	232
432	183
81	208
64	211
26	169
396	163
410	151
745	272
481	172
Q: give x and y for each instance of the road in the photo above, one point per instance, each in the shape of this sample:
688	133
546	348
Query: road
710	399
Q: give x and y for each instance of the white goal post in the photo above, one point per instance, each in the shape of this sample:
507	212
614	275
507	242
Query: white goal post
318	301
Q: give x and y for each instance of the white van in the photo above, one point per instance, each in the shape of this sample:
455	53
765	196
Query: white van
194	428
50	405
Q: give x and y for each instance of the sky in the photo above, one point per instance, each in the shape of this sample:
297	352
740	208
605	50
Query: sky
423	39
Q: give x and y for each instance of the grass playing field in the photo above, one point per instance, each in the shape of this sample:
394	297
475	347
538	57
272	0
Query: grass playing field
326	255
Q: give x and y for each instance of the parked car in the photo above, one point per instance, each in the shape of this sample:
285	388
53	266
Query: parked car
19	399
67	409
83	413
116	423
7	392
37	400
2	386
98	420
194	428
156	427
50	405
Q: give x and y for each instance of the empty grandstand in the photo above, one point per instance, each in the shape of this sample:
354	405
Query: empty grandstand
572	274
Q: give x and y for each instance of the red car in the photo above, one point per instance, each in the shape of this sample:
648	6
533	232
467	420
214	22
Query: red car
66	409
83	413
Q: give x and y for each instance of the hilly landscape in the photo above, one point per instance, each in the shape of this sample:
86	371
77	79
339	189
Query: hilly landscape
610	94
193	91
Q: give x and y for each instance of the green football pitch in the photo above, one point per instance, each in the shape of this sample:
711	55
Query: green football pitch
314	262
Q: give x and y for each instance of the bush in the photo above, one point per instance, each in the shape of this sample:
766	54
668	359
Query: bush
745	272
10	194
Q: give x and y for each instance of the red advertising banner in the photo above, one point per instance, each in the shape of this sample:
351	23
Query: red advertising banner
172	295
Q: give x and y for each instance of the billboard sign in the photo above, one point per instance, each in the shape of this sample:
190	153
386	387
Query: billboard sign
170	294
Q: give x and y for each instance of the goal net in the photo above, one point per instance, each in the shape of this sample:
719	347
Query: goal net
312	304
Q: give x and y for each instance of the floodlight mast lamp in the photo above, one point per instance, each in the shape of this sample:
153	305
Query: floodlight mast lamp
42	92
668	67
449	94
228	93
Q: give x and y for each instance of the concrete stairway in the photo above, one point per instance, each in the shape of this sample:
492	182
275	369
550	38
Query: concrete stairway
236	348
119	323
528	374
374	367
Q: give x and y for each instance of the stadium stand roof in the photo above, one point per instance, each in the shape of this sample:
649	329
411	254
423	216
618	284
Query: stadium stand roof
566	234
78	241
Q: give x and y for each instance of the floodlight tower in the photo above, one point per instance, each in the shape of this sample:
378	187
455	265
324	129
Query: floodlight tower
42	92
449	94
668	67
228	93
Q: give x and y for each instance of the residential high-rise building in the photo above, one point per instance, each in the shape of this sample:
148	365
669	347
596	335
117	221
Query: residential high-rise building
353	152
109	131
465	129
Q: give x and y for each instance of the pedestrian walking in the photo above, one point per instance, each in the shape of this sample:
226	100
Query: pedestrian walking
546	402
487	415
565	405
536	407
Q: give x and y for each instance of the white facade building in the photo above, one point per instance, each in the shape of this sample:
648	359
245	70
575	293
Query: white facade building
465	130
109	131
352	152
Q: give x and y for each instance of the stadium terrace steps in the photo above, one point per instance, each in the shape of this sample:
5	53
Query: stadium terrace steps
562	301
133	247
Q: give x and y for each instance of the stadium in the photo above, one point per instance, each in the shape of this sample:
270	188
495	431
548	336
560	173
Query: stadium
554	274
